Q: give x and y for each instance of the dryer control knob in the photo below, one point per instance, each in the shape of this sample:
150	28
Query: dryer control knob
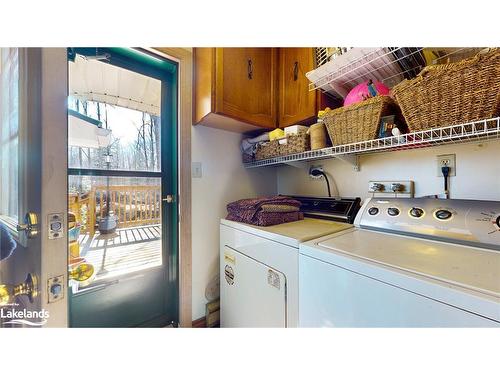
393	211
416	212
498	221
373	211
442	214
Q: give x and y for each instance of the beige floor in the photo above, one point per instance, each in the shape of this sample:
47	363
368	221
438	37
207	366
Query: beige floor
126	251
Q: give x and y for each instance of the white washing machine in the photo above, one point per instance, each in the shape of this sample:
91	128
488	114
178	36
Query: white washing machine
406	263
259	265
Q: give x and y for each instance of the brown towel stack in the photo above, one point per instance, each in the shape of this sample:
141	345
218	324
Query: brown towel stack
265	211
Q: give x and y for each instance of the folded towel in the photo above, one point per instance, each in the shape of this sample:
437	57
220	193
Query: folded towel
256	203
265	211
279	208
265	219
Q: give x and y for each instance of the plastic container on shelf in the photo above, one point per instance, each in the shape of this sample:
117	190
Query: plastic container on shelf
318	135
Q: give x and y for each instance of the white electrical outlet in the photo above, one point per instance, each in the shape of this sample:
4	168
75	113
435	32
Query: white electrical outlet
446	160
196	169
319	168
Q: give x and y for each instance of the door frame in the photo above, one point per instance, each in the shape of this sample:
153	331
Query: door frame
165	69
53	161
184	56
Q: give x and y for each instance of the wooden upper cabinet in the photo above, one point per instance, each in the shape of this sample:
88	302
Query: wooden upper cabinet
243	89
247	84
235	88
296	103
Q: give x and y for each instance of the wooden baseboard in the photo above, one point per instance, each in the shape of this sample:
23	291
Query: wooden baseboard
199	323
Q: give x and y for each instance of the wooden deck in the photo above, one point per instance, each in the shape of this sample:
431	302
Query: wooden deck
128	250
132	205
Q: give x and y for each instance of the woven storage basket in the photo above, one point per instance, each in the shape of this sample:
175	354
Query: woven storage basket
455	93
268	150
295	144
358	122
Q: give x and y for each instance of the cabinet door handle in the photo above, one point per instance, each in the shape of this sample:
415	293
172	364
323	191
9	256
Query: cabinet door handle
296	71
250	69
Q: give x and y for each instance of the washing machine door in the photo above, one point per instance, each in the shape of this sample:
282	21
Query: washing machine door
252	293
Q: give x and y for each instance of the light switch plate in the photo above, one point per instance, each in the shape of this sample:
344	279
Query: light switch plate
406	189
196	170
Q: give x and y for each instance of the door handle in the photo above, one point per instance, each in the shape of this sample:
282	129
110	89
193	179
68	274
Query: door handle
169	198
81	273
30	225
250	69
296	70
27	288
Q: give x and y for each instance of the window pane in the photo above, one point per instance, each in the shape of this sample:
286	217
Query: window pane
114	227
9	126
114	118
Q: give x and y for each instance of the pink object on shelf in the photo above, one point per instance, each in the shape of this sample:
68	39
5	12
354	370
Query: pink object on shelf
361	92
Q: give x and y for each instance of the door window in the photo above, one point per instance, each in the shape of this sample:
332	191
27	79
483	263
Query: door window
114	159
114	118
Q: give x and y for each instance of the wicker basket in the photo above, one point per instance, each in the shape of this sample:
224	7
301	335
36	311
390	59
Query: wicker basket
295	144
268	150
450	94
358	122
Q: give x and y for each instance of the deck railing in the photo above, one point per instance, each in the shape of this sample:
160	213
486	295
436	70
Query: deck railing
131	205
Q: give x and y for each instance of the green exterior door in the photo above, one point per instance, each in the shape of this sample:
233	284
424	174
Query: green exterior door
135	267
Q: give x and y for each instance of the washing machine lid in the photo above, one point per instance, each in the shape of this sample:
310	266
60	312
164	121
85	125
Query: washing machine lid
469	267
292	234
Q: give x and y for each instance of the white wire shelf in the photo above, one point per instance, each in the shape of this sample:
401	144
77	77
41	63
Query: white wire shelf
389	65
468	132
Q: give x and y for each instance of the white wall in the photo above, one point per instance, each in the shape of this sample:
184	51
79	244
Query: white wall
224	180
478	173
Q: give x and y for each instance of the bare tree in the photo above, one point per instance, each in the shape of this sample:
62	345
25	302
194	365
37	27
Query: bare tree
151	142
155	123
143	154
